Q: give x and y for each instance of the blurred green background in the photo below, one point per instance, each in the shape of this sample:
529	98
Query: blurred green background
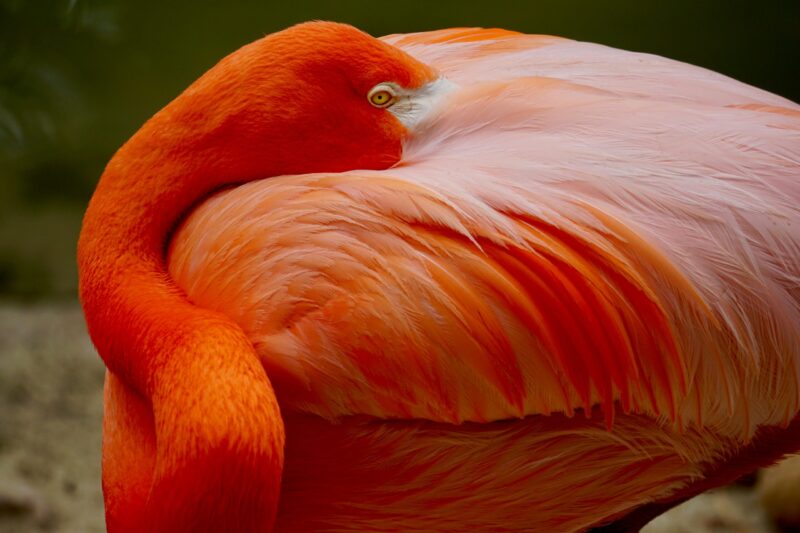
78	77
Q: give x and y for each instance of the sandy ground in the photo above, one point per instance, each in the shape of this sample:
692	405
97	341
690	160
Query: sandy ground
50	415
50	411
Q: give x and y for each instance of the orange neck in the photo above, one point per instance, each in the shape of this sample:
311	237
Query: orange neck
216	424
290	103
135	313
215	418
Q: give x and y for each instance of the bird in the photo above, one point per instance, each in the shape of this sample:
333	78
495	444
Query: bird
457	280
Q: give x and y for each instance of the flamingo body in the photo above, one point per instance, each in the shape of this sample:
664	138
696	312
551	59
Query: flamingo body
576	292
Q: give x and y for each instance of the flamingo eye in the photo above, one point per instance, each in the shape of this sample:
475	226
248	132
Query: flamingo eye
382	95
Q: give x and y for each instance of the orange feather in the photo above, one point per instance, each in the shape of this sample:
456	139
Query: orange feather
393	326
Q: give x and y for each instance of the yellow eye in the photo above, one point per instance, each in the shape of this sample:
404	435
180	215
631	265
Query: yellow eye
382	95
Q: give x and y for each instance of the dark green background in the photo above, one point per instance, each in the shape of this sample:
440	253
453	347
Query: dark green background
78	77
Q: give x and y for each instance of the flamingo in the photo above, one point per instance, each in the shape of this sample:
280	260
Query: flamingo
460	280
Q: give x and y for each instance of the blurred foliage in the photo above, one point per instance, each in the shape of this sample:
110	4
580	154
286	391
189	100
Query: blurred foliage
77	77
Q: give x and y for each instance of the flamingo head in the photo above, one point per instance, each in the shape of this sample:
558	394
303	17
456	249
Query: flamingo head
317	97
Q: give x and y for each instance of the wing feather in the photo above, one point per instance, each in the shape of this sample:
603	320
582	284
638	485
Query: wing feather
578	226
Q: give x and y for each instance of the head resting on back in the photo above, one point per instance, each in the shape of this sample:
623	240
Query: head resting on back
301	100
315	97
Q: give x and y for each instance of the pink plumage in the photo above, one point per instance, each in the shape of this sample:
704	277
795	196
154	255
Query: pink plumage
572	229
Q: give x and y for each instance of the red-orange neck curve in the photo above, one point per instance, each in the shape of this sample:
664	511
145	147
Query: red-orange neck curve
216	421
293	102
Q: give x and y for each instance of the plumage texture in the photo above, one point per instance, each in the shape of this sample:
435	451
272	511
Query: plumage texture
578	226
576	293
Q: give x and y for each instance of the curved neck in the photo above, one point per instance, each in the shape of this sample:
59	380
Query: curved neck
132	307
216	422
215	419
